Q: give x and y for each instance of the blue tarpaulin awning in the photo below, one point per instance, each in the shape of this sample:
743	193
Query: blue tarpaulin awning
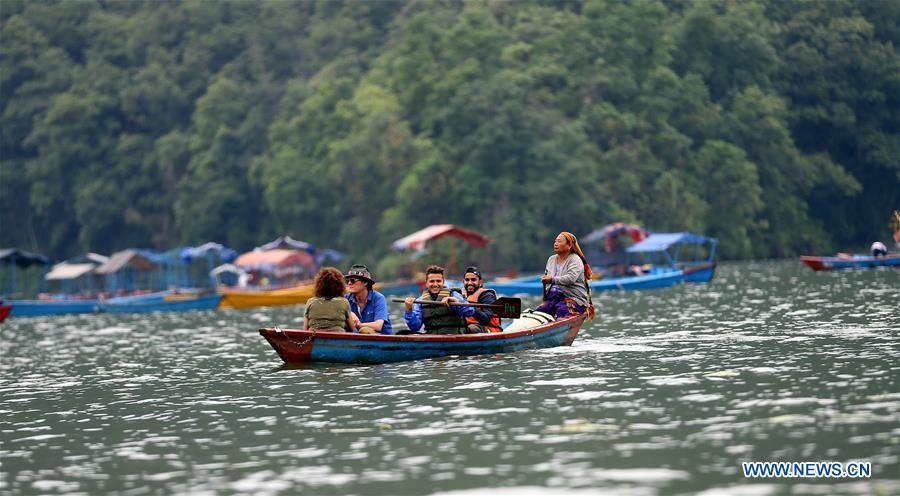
225	254
662	241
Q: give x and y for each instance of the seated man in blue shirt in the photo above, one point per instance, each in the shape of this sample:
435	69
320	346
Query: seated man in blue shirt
369	305
438	318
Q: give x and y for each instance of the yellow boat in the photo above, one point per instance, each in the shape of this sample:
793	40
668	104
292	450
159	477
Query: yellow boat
249	298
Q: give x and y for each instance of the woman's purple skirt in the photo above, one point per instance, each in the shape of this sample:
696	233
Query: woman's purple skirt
558	305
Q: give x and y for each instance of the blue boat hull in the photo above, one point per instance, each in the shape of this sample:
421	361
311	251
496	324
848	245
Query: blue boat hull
662	278
300	346
157	303
854	262
700	273
35	308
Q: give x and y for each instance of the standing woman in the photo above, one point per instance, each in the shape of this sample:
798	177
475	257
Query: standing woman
328	310
565	280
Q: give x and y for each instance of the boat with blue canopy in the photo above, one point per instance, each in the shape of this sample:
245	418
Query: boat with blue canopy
659	261
19	278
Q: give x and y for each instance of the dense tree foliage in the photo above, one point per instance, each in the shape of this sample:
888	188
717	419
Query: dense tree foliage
772	125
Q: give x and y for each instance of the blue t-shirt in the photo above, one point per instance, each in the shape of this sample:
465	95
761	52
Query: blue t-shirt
376	309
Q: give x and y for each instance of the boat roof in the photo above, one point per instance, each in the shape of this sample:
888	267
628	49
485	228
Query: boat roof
66	271
259	259
191	252
21	258
661	241
125	258
609	233
418	239
234	269
286	243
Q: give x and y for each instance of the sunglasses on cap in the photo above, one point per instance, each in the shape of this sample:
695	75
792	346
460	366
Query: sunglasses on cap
473	270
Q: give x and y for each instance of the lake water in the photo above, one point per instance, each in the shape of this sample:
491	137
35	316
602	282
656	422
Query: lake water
666	393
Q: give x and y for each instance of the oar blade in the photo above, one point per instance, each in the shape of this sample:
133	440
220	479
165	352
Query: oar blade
509	308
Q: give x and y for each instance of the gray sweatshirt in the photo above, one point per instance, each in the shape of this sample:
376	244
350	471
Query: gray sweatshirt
570	279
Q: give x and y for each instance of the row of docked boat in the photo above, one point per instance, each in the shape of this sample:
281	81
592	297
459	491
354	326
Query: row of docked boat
181	300
163	301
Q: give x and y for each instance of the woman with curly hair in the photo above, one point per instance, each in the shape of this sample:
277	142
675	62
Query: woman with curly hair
328	310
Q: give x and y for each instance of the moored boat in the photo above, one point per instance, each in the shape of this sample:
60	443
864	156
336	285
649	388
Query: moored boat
249	298
850	262
164	301
4	311
301	346
37	308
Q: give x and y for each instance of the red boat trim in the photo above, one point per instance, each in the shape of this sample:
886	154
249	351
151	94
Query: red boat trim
696	268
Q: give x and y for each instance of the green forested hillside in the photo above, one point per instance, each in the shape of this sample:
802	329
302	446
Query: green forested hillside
772	125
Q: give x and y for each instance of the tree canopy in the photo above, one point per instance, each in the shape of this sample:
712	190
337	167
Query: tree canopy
772	125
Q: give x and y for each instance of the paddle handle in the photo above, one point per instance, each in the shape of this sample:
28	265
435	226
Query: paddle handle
456	304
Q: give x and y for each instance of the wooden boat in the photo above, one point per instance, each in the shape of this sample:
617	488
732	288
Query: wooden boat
4	311
164	301
850	262
37	308
249	298
301	346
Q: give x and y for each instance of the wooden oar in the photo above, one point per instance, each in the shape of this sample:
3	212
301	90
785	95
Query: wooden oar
507	308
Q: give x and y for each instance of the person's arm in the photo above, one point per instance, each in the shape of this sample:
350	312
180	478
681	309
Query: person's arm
352	322
462	311
482	314
306	317
413	318
572	270
549	269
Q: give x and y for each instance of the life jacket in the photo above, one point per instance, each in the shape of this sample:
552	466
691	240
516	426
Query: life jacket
440	319
494	324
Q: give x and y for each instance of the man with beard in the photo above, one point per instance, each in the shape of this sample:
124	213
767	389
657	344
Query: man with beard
484	319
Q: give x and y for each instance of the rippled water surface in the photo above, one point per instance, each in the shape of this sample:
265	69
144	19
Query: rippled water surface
666	393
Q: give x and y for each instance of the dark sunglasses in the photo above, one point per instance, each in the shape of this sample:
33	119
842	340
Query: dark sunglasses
353	280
